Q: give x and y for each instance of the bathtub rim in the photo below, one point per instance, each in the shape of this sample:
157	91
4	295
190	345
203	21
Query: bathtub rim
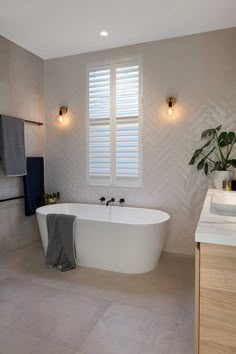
163	213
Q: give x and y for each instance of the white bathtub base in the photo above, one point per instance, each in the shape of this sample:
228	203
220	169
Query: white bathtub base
132	248
118	250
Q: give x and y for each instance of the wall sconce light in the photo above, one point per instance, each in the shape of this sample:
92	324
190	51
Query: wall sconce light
171	101
62	112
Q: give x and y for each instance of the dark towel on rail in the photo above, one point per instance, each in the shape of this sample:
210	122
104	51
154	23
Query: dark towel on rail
61	248
12	146
33	184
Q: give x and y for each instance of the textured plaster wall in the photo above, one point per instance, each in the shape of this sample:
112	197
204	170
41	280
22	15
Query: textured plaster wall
21	95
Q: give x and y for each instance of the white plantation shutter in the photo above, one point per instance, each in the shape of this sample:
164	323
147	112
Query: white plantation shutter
127	121
99	121
114	124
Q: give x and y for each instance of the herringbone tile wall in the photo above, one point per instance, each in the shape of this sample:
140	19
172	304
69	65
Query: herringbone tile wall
200	70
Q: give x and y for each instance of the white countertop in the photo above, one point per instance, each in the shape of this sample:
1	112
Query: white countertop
216	229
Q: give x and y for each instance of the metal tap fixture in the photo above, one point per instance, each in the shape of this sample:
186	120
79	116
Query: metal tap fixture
122	201
110	201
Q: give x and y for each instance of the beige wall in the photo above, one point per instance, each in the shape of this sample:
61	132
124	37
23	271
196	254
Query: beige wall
21	95
200	70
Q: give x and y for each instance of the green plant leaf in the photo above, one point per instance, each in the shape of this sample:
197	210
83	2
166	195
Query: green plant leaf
218	166
231	137
210	132
232	162
198	152
207	133
200	164
226	139
195	156
191	162
222	140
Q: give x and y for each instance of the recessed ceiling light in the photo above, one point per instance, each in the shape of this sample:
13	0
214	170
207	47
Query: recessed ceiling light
104	33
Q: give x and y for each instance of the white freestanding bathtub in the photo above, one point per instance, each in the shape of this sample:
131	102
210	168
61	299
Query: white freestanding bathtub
119	239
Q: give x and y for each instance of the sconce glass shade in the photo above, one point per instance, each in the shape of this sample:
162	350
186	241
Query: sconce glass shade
171	101
60	118
170	111
62	112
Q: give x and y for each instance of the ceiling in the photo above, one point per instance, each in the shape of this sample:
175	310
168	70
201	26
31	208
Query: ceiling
55	28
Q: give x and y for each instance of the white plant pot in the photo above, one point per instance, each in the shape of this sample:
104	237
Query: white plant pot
220	176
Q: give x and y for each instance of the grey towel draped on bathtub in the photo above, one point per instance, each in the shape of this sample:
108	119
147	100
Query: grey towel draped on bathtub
12	146
61	248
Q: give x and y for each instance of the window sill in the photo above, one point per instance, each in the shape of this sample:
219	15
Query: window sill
118	184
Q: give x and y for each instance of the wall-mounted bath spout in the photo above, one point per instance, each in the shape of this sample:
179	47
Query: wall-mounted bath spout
110	201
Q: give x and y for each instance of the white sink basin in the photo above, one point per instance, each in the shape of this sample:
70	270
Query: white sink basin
223	203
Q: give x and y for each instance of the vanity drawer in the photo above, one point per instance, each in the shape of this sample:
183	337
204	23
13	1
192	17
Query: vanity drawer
217	321
218	267
217	299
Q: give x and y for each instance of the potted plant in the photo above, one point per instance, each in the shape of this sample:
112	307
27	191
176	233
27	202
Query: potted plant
215	155
51	198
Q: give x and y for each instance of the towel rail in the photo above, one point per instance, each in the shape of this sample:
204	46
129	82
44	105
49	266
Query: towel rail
33	122
5	200
21	196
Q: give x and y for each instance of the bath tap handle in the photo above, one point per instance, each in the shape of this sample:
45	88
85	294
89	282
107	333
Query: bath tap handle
102	199
122	201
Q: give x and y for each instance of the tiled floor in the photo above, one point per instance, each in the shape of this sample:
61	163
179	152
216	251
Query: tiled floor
88	311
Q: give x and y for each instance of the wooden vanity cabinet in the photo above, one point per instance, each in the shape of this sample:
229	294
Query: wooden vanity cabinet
215	299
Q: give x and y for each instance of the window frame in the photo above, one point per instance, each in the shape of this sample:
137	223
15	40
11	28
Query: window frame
113	180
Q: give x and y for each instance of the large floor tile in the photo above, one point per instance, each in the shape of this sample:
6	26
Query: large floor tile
16	295
66	318
13	341
169	343
127	330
